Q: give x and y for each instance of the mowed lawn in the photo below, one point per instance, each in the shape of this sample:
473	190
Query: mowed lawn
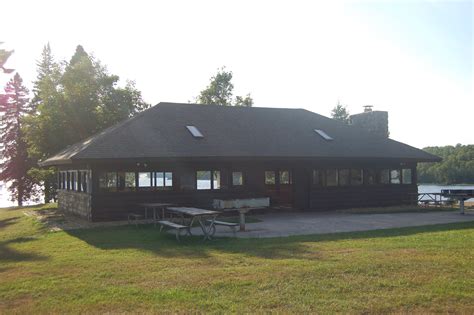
128	269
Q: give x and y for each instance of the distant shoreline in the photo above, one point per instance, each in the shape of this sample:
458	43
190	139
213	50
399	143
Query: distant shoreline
437	184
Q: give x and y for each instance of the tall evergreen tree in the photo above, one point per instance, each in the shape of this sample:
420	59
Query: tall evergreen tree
220	91
340	113
14	105
46	99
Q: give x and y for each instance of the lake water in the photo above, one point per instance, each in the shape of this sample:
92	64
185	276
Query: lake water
437	188
5	202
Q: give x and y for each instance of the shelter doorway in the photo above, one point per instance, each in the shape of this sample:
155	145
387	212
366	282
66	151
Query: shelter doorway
279	187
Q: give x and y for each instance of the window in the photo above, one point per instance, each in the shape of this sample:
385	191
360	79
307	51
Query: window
163	179
270	177
129	180
356	177
406	176
384	176
79	181
126	181
68	180
395	177
203	180
285	178
344	177
144	179
369	177
108	181
317	177
331	177
168	179
237	178
84	181
73	180
323	135
216	182
195	132
61	180
208	180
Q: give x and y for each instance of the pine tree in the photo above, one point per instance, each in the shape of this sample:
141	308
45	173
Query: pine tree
46	99
340	113
14	105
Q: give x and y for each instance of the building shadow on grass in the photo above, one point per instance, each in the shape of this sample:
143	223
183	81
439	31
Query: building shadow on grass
149	239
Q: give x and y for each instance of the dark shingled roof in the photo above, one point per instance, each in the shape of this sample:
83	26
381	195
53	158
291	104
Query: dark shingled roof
237	132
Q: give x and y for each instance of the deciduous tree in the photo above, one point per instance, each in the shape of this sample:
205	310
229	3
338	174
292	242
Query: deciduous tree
220	91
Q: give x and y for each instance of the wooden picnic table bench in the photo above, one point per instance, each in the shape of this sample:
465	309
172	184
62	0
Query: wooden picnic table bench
198	215
173	226
232	226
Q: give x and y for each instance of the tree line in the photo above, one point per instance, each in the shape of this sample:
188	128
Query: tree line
457	166
70	101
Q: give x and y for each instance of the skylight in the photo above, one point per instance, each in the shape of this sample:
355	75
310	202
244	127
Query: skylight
195	132
324	135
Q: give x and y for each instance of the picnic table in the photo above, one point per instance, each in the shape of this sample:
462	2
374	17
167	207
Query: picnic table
200	215
154	206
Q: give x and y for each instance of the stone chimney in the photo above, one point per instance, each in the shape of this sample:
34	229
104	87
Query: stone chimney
374	121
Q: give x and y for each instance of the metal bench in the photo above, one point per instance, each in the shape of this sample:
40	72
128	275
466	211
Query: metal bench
232	226
135	217
173	226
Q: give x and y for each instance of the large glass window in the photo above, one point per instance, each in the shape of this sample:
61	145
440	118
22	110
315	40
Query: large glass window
356	177
331	177
108	181
384	176
168	179
208	180
395	177
270	178
369	177
237	178
406	176
144	179
163	179
285	177
126	180
203	180
344	177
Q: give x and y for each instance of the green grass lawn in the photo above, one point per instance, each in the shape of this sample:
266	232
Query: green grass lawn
128	269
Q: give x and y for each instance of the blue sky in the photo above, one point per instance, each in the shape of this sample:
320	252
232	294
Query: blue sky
411	58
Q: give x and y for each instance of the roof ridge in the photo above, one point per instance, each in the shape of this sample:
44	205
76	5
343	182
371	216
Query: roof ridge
228	106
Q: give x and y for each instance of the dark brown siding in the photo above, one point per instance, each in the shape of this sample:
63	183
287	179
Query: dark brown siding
116	206
301	194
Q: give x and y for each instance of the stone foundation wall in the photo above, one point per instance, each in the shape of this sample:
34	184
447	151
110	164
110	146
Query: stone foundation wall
75	202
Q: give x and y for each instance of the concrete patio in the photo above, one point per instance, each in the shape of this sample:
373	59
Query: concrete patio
304	223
